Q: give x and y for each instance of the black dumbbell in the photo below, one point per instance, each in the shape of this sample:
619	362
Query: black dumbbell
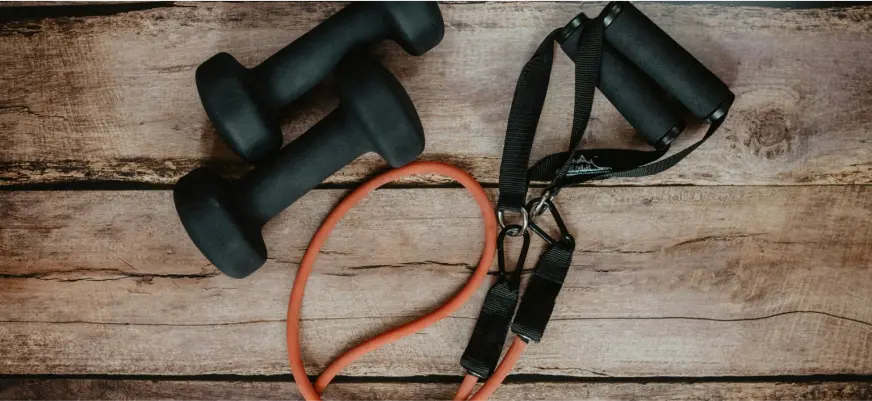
244	104
224	219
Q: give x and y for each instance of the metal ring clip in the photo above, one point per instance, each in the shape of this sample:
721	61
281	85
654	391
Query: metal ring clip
525	221
541	204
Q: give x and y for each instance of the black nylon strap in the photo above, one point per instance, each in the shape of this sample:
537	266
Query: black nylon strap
489	336
591	161
541	293
524	115
587	66
598	164
670	161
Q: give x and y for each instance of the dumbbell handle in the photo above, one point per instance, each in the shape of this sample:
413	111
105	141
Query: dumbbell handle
278	182
298	67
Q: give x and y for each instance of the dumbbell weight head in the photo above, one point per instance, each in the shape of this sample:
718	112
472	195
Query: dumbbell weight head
244	104
233	107
417	25
224	219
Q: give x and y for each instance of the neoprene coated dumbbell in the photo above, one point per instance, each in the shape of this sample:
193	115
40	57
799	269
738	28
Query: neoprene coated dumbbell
244	104
224	219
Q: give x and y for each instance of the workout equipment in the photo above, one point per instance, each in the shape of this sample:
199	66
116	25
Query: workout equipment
312	391
244	104
636	96
641	66
625	83
663	59
638	67
224	219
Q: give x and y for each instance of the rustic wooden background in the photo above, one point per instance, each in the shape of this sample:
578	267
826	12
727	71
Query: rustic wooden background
744	273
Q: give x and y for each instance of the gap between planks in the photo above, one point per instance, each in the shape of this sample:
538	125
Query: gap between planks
127	388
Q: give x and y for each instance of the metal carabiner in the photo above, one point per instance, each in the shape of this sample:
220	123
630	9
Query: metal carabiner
566	239
539	203
515	279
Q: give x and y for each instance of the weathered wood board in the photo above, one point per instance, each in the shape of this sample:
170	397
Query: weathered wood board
667	281
796	4
22	389
742	274
112	97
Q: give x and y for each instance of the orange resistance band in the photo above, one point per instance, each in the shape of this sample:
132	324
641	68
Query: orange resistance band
313	392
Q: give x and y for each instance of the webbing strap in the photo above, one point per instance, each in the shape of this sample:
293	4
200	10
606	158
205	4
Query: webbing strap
524	115
597	164
541	292
489	335
587	66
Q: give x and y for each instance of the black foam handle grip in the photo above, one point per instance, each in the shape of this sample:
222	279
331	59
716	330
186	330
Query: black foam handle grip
646	45
642	103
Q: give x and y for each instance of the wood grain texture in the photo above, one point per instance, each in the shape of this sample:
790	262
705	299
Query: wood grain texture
112	97
61	389
796	4
666	281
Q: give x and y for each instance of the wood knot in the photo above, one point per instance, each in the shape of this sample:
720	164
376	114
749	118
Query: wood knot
769	131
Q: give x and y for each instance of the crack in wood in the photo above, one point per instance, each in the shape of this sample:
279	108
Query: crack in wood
569	319
112	275
713	238
593	372
27	110
407	264
12	17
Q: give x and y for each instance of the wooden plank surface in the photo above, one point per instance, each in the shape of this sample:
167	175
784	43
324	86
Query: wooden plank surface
666	281
112	97
795	4
23	389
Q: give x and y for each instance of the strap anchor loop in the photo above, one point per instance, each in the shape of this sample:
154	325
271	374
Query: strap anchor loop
541	203
566	239
525	221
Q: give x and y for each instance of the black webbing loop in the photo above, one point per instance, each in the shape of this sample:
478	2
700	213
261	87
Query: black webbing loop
524	115
597	164
591	162
541	292
489	335
587	66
